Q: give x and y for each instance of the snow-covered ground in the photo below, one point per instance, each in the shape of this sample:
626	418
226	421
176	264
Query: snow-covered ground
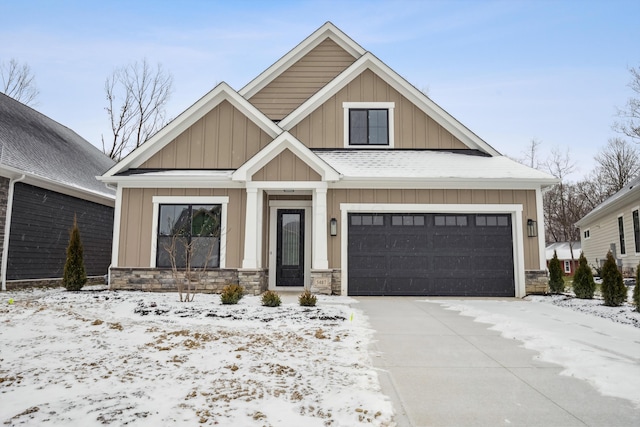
128	358
592	342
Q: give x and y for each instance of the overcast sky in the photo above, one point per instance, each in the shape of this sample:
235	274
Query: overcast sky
510	71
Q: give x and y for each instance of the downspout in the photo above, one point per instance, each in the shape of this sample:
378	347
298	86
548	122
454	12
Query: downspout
7	230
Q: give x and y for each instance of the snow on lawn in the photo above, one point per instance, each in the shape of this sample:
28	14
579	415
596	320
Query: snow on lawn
101	357
592	342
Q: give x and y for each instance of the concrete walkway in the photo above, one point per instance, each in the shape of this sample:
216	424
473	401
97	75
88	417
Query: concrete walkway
444	369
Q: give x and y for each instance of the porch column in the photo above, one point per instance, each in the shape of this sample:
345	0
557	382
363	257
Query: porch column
251	230
319	233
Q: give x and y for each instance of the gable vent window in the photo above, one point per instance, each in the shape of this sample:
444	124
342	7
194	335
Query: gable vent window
368	124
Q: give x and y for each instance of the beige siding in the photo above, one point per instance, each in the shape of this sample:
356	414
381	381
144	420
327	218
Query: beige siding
137	221
223	139
526	198
604	232
304	78
324	128
286	167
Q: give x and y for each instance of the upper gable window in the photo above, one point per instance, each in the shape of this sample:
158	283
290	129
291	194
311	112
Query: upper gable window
368	124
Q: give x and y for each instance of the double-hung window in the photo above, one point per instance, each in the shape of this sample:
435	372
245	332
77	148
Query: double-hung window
368	124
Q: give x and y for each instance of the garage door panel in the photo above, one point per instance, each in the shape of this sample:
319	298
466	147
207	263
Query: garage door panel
430	254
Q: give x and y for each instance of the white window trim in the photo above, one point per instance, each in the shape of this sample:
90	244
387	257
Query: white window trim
190	200
390	106
514	210
567	266
624	235
587	231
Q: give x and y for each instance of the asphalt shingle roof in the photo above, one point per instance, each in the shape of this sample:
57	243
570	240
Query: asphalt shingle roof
425	164
37	145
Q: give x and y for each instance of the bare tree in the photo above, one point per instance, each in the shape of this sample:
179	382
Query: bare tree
531	154
136	97
559	202
630	114
18	82
618	163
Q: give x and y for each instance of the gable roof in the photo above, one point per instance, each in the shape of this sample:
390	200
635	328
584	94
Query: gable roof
222	92
281	143
630	192
49	153
327	30
563	250
370	62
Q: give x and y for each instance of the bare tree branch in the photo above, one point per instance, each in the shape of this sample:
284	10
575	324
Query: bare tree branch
618	163
136	99
630	114
18	82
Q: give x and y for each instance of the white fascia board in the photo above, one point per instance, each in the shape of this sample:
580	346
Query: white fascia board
369	61
277	146
222	92
444	183
59	187
295	54
173	181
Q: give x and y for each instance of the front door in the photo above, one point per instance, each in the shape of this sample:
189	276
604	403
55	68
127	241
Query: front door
290	248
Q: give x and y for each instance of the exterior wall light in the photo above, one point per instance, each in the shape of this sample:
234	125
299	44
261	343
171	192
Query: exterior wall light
333	227
532	228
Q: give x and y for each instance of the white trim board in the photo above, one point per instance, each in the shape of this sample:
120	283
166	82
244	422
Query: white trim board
516	223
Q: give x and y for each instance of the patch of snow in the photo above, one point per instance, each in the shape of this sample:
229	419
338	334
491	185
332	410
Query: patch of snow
592	342
98	357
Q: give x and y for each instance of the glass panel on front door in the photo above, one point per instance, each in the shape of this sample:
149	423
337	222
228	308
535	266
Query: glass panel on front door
290	248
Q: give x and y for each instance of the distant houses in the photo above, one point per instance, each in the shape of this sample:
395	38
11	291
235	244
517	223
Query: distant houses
47	176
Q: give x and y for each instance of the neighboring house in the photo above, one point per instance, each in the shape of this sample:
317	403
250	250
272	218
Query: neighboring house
332	172
568	254
48	176
614	226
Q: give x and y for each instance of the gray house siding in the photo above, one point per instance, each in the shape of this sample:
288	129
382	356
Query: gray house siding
41	220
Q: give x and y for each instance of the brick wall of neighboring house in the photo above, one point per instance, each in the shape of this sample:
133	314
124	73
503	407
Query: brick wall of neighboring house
4	194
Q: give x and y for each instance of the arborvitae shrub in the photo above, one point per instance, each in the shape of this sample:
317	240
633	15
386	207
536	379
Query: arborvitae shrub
307	299
583	284
556	282
75	275
636	289
231	294
271	299
614	292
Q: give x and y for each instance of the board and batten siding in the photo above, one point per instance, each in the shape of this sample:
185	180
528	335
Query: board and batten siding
40	226
304	78
223	139
136	223
286	166
603	232
324	127
526	198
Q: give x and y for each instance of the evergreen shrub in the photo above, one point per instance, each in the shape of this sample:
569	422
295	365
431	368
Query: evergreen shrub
583	284
556	282
614	292
271	299
231	294
75	275
307	299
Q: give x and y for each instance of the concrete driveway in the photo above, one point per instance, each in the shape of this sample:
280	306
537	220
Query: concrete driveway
443	369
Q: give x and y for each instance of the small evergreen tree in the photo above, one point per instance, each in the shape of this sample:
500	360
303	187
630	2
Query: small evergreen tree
636	289
75	275
556	282
614	292
583	284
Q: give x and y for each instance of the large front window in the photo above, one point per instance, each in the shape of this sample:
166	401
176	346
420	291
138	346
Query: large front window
188	233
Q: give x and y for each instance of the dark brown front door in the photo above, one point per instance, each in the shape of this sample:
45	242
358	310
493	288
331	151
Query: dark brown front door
290	248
